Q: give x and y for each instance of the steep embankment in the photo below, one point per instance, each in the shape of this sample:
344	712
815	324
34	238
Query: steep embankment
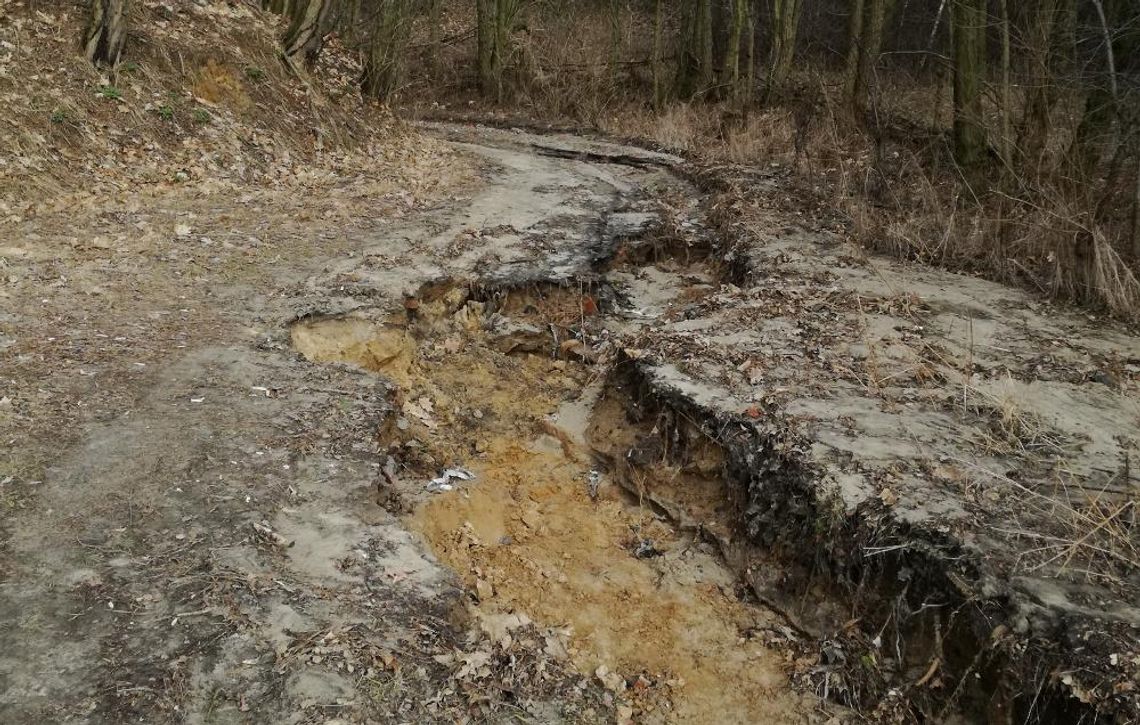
200	100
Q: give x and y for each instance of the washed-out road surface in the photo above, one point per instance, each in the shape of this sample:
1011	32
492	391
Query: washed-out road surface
225	491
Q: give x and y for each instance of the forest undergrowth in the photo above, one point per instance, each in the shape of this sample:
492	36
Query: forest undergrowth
882	171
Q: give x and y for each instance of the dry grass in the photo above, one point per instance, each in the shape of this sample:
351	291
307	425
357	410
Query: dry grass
1071	529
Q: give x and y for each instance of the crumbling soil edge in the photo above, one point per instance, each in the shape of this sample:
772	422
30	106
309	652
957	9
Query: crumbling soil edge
898	588
902	589
989	649
969	642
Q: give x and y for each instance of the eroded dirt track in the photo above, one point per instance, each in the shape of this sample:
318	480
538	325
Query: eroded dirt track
219	541
709	464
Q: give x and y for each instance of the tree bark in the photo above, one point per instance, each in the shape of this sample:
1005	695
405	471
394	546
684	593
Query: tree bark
495	21
1050	50
106	32
1096	132
383	61
1006	90
730	66
869	48
749	56
969	28
435	10
485	13
615	39
877	11
658	61
306	33
695	69
933	32
854	49
785	27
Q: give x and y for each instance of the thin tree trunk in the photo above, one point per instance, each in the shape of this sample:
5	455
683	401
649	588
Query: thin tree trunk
933	32
870	48
969	19
1006	90
705	44
695	70
1100	121
615	39
749	56
350	22
305	36
1050	31
495	20
730	66
785	26
854	49
383	61
106	32
1110	58
488	69
434	37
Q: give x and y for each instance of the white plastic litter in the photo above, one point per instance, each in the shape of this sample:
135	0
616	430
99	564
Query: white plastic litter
443	482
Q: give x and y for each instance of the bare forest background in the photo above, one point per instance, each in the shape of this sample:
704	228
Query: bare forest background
996	137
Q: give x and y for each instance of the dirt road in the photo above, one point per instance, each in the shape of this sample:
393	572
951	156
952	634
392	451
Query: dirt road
556	437
199	523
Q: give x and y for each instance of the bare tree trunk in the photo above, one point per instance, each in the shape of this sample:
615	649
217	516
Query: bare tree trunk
870	48
1098	128
1006	90
106	32
658	62
749	56
730	66
495	20
695	69
434	38
1035	125
933	32
306	34
383	61
854	50
351	24
969	27
615	39
785	26
1050	51
488	70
